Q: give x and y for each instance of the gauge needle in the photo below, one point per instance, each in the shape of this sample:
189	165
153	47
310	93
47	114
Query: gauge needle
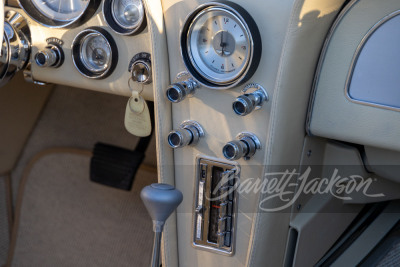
222	44
97	55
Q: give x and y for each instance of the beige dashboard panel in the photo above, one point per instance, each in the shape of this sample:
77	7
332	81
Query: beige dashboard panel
67	74
332	113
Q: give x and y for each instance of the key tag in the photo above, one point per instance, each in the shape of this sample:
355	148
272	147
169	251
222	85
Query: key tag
137	115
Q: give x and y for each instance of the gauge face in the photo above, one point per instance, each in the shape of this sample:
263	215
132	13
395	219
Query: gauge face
218	46
127	13
59	13
124	16
60	9
94	53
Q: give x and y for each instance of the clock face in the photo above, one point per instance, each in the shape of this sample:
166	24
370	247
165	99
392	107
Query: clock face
218	46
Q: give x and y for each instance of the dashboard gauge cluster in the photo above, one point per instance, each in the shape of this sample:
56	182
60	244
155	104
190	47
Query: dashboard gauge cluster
94	53
125	17
221	45
60	13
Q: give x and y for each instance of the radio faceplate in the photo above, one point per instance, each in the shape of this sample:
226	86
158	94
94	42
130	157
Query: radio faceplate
215	206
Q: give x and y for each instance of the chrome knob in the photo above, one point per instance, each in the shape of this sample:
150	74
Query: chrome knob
49	57
188	134
141	71
177	92
247	103
245	147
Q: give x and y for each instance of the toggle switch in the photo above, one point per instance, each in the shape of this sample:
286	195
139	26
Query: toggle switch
248	102
188	134
245	146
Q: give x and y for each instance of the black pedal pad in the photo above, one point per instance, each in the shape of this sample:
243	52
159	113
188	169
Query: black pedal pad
114	166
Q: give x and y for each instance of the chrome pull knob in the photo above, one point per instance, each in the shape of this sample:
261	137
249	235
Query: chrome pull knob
245	147
176	92
51	56
248	102
184	86
188	134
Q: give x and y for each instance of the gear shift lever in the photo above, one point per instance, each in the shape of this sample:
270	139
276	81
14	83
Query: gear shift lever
160	200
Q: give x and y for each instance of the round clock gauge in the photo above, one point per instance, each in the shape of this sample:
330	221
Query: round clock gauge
221	45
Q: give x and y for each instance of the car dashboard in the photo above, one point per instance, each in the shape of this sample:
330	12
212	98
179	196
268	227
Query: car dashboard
245	90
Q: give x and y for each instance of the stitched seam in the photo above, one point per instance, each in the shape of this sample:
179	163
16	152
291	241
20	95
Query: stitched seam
158	88
257	220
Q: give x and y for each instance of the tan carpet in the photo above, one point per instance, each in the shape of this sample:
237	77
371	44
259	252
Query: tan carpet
66	220
79	118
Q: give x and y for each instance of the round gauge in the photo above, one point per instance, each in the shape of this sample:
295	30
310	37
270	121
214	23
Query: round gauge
59	13
221	45
124	16
94	53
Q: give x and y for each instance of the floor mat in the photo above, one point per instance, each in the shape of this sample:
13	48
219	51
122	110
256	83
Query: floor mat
65	220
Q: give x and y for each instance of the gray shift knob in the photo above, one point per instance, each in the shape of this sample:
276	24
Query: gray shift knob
161	200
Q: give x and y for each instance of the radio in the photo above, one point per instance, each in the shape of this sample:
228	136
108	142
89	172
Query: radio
215	205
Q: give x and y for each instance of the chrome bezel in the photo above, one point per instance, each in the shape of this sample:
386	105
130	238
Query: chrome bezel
253	37
34	13
77	55
109	18
210	246
16	46
193	50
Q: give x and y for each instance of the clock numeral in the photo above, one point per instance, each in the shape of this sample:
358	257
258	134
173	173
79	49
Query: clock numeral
244	47
222	67
226	20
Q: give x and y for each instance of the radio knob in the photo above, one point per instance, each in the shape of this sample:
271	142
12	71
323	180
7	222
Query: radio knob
188	134
177	92
247	103
245	147
51	56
